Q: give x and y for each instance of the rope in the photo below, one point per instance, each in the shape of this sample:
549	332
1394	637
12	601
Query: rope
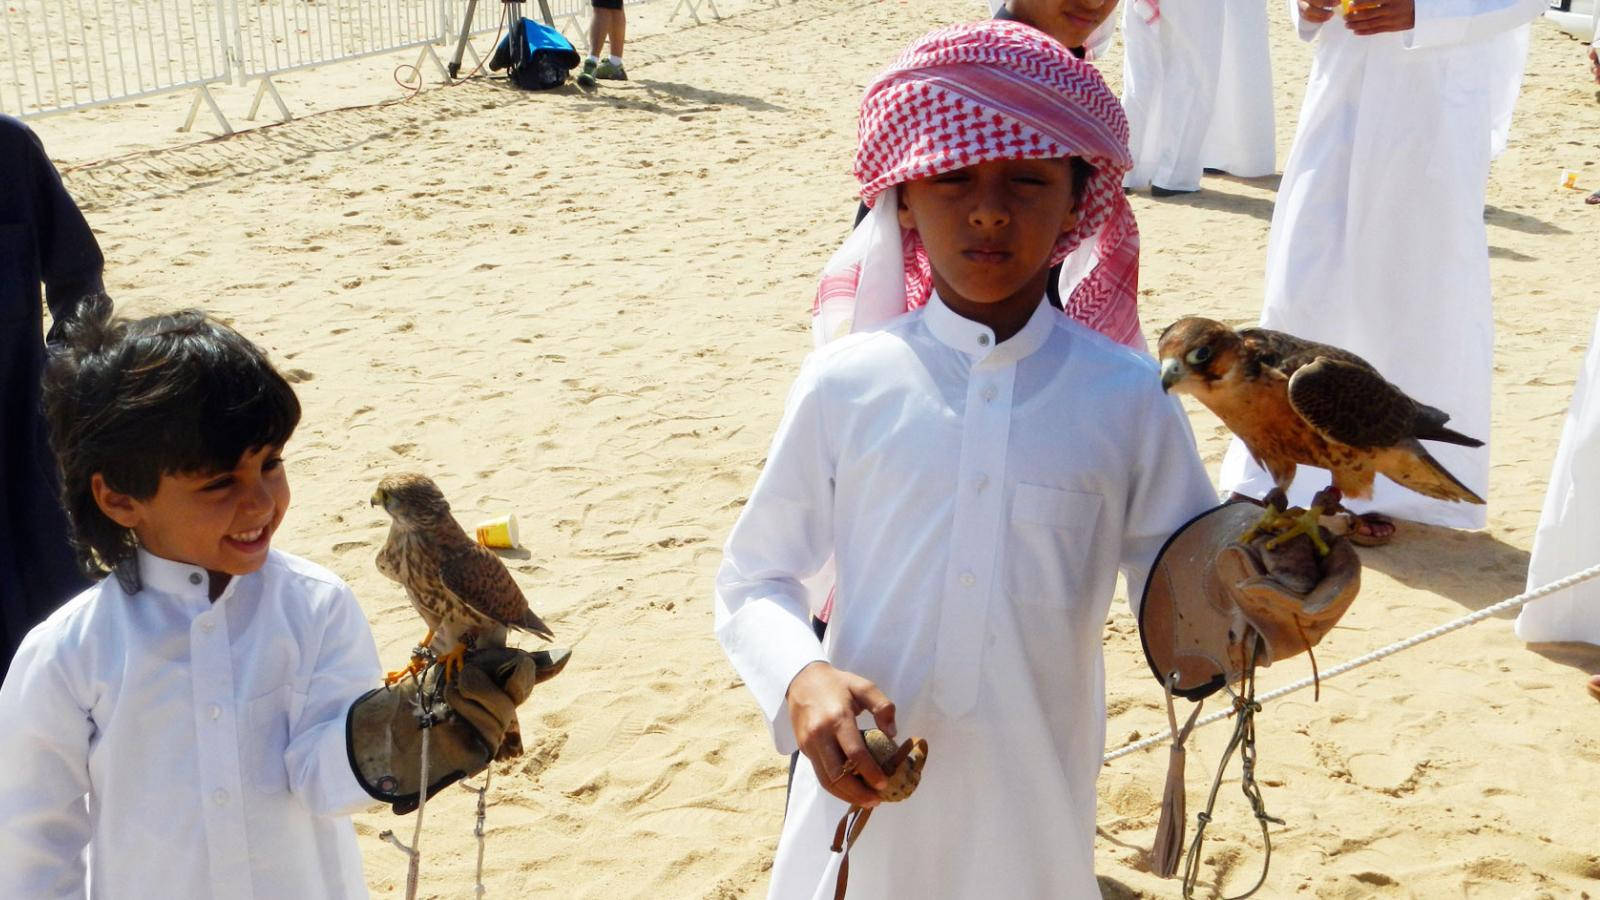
1509	603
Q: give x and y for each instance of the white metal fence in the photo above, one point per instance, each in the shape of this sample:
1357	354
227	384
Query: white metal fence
61	55
71	54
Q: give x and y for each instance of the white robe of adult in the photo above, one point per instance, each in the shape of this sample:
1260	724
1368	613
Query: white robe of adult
1378	243
1197	85
979	500
1566	541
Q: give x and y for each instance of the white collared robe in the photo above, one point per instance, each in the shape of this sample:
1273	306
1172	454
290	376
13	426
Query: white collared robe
1378	243
1197	85
1568	539
208	738
979	501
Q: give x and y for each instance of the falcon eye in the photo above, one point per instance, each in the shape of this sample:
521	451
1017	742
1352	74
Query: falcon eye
1198	356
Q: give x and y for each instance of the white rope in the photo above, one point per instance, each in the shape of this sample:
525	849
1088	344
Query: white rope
1509	603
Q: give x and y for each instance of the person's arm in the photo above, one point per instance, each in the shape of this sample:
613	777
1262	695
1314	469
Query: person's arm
1170	487
784	535
69	256
318	757
1441	23
763	612
1308	16
44	819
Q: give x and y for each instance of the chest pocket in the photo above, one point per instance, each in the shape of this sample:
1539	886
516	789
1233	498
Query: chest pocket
1051	530
268	719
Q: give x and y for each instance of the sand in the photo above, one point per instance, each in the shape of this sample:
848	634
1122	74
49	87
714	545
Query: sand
585	309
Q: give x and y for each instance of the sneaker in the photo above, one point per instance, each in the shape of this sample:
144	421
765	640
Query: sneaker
586	77
611	72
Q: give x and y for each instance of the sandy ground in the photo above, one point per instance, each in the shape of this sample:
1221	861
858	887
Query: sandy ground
586	309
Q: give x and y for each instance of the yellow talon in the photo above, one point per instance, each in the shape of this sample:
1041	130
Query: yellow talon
1308	523
454	661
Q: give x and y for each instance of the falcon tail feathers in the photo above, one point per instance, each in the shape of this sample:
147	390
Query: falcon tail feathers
530	621
1447	436
1411	466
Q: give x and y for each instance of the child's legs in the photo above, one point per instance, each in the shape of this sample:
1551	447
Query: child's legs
607	23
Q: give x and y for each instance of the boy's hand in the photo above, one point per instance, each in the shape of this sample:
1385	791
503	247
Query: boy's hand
1368	17
823	704
1594	64
1317	10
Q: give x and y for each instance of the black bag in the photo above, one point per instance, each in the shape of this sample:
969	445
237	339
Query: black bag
538	56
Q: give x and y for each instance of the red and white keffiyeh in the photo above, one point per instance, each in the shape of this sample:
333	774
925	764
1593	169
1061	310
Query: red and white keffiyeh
968	94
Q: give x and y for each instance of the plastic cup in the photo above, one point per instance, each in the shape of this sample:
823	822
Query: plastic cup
1569	180
499	533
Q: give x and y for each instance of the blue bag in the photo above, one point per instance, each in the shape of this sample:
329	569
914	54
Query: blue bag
538	56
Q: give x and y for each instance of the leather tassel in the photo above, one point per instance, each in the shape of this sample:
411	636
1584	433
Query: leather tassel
1167	851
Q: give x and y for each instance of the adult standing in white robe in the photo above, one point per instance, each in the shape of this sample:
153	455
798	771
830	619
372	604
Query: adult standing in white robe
1197	85
1378	243
1565	542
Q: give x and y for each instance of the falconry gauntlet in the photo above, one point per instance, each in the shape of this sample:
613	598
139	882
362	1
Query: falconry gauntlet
1210	597
469	714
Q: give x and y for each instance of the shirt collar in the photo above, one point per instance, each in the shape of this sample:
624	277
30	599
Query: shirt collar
177	579
977	340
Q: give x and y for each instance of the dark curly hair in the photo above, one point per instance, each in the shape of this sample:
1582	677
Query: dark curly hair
136	399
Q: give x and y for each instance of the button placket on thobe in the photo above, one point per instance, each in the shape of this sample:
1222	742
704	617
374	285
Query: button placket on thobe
969	577
216	723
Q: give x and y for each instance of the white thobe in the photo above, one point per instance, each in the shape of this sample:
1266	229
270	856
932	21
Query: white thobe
1197	85
1378	243
197	749
1566	540
979	500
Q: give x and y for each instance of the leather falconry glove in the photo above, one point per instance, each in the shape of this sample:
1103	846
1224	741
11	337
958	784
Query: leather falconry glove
470	716
1213	607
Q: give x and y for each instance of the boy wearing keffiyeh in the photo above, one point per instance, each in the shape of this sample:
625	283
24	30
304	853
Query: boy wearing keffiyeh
968	468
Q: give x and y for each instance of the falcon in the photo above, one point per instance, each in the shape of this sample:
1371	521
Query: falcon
462	590
1293	401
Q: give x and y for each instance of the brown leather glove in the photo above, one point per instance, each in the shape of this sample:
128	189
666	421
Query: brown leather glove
469	716
1207	591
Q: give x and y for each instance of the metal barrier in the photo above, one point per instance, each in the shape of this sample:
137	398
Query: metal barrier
61	55
64	55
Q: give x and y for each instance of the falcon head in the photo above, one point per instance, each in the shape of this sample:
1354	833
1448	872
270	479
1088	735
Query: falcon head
1195	352
412	500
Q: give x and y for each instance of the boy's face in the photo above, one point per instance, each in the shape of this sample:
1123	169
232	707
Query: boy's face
989	229
1068	21
221	521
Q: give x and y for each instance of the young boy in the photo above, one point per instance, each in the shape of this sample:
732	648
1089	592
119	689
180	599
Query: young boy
978	469
185	718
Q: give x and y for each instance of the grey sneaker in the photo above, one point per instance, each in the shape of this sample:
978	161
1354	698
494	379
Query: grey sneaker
611	72
586	77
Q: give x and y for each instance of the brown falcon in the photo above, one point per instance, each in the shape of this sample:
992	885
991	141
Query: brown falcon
461	589
1293	401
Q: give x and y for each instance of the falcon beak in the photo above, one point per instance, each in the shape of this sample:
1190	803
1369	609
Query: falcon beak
1171	372
377	497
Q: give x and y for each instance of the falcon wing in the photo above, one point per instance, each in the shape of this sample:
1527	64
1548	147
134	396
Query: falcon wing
1288	353
1351	403
480	579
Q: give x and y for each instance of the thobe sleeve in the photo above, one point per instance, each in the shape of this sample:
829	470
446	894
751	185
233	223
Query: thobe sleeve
69	257
1442	23
44	818
784	535
1307	30
317	758
1169	487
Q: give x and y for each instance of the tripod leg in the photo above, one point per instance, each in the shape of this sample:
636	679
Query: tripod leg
544	10
461	43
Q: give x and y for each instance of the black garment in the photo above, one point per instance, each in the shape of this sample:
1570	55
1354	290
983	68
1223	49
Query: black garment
43	238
